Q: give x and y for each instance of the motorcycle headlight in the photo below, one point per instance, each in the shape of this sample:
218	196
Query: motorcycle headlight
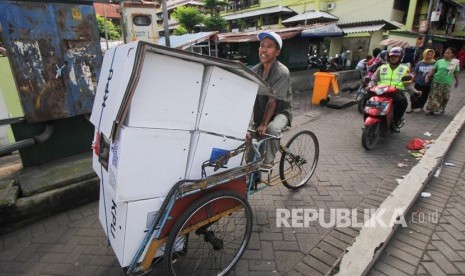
380	90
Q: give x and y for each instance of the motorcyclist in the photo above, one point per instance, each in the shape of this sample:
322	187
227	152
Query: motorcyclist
390	74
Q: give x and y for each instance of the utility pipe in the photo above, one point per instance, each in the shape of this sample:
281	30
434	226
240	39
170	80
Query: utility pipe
38	139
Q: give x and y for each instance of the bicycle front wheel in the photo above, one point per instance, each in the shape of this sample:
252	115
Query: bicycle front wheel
299	159
207	239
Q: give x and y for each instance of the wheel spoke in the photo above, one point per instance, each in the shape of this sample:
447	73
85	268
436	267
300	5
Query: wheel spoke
299	161
215	248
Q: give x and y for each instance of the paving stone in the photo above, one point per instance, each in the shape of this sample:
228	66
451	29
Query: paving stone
442	261
286	260
451	241
402	255
448	252
304	269
316	264
388	269
267	266
400	264
433	269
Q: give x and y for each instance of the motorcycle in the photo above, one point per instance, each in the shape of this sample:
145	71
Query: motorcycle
321	63
378	114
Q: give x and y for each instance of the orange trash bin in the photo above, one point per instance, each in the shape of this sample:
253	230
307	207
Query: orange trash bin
321	87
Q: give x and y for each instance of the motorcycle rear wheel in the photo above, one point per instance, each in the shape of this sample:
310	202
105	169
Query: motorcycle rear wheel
370	136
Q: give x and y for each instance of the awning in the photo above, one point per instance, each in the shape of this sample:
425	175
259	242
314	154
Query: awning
285	33
362	29
277	9
186	40
368	26
317	30
311	15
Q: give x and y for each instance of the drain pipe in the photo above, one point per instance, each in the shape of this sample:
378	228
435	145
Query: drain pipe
38	139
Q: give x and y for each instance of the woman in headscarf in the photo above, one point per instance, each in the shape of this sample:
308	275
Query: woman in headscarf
422	68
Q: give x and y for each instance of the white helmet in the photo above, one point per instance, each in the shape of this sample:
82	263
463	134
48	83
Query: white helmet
396	51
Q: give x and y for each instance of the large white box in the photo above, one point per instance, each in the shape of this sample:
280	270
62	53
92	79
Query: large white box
146	163
126	223
200	151
227	101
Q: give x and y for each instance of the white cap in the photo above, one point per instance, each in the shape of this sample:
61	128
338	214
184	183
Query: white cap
274	36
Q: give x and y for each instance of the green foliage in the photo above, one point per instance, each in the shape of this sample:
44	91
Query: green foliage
215	23
114	31
180	30
188	17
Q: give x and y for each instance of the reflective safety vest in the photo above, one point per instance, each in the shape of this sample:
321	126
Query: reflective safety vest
392	78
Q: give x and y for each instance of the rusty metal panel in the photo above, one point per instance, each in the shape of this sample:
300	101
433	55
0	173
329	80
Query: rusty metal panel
55	55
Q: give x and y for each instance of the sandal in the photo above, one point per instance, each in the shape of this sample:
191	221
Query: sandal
409	111
429	112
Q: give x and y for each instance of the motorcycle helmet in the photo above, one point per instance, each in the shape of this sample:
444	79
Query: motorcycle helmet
396	51
383	55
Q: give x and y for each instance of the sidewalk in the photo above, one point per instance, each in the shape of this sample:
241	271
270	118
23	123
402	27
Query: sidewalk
433	243
347	176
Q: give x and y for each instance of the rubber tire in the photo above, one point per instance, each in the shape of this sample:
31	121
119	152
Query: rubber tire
197	205
369	139
314	162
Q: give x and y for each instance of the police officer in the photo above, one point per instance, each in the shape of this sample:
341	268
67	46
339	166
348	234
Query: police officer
391	74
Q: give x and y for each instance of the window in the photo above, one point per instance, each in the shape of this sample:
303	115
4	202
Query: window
142	20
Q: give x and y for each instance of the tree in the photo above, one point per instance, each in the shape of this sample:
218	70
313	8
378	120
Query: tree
215	23
188	17
113	31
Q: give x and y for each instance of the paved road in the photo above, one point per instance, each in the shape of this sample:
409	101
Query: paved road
73	243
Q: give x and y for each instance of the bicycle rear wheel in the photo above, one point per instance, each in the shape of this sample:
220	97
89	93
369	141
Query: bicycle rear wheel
298	162
205	241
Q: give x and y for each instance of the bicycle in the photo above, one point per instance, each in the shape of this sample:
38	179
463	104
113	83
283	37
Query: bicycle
203	226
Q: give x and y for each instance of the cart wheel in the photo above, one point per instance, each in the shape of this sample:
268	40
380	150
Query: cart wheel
214	248
298	162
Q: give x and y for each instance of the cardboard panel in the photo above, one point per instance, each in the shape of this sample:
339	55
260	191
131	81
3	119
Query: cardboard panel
121	60
201	148
126	223
146	163
228	104
167	94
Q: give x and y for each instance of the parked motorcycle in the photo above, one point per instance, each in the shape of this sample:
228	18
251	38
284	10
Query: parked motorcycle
378	114
320	63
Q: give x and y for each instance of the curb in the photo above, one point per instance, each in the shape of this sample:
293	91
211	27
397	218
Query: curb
363	253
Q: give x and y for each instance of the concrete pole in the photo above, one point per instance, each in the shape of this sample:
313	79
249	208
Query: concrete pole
428	33
165	24
410	15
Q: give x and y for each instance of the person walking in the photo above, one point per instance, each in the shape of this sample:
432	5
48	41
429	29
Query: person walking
271	114
422	68
443	72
